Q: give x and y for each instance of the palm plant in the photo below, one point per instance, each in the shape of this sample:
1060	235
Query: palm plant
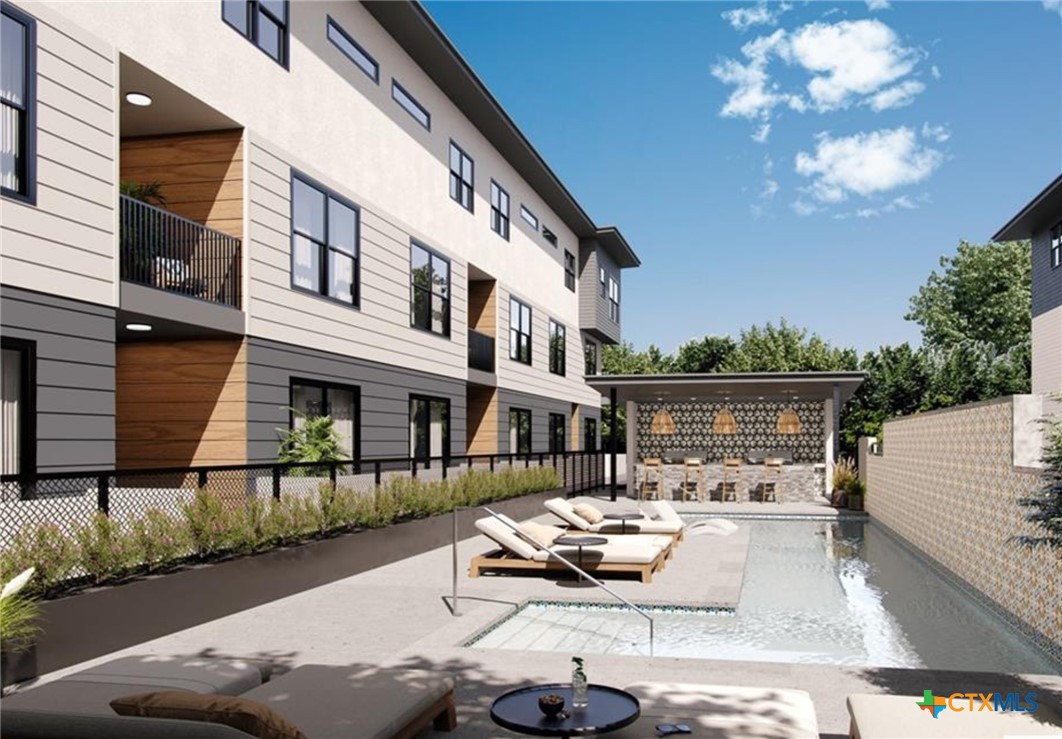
313	440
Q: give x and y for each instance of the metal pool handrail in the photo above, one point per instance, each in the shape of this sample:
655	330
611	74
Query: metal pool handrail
560	559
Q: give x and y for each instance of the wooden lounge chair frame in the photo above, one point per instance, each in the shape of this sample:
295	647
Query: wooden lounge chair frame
441	715
502	559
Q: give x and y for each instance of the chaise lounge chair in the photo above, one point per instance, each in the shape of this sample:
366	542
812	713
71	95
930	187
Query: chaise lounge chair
521	552
645	525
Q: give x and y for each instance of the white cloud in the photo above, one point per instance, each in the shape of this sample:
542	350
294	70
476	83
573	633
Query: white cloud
754	95
901	203
761	134
940	134
761	14
770	189
935	71
896	96
866	164
768	165
850	59
804	208
1053	6
873	5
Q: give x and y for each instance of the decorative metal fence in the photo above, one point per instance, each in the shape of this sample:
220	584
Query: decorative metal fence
67	500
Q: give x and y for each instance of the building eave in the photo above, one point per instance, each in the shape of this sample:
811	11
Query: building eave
1041	212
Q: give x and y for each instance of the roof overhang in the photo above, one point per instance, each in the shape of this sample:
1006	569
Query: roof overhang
1042	212
803	386
612	241
413	28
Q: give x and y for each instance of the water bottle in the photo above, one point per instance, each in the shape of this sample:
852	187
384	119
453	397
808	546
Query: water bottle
579	697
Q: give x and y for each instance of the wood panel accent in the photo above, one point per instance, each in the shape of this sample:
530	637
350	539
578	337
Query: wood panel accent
482	421
577	428
181	404
482	306
201	174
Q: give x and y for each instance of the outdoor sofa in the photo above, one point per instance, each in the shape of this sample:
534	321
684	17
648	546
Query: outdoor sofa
898	717
519	551
324	702
646	525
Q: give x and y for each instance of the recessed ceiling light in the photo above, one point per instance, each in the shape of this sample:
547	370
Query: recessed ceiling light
138	98
138	326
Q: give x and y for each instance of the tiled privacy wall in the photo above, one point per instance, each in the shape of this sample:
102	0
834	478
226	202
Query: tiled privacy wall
756	422
946	484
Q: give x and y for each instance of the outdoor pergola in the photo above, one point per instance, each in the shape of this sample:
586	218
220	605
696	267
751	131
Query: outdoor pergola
795	415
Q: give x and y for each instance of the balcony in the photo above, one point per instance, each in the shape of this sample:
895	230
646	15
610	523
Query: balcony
163	250
480	351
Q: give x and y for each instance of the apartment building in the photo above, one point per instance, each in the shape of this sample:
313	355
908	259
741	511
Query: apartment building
215	212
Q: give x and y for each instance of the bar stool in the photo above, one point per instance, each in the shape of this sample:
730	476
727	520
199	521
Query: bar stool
731	477
652	478
772	479
693	482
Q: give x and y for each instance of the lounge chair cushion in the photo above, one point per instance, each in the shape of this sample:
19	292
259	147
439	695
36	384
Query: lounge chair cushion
338	702
238	712
664	511
637	526
564	509
505	537
588	513
605	554
541	533
895	717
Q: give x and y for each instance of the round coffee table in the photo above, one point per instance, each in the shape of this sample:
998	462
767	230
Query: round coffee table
580	541
623	518
607	709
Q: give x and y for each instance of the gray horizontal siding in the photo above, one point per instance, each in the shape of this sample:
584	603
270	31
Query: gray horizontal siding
593	308
1046	282
540	408
75	376
385	392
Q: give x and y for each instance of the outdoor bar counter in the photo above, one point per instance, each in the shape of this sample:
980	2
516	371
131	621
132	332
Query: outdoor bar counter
797	483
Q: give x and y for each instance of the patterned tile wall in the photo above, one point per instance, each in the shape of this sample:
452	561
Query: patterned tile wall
945	483
756	430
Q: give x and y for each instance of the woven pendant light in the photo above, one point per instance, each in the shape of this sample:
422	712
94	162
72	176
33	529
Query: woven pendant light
663	423
788	421
724	423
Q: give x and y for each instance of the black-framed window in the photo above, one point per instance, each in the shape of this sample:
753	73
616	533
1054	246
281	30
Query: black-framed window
519	331
613	299
1056	246
18	406
18	105
499	210
429	290
262	22
341	403
602	278
558	347
549	236
462	177
409	104
519	431
569	270
353	51
324	241
590	357
590	434
558	434
529	218
429	427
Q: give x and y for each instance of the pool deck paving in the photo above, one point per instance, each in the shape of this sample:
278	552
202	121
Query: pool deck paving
400	615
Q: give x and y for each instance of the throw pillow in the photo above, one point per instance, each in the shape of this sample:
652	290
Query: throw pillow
587	512
541	533
239	713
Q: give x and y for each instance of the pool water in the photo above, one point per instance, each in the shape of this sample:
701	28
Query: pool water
817	592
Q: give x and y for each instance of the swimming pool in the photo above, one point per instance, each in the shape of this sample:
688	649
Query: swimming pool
817	592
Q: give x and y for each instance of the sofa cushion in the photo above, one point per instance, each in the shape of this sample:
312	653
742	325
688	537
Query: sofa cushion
40	724
896	717
236	711
335	702
588	513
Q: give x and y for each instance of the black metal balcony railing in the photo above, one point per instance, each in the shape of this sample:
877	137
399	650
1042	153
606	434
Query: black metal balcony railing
167	251
480	351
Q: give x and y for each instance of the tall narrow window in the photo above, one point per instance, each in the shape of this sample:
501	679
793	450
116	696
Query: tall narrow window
613	299
18	412
410	105
601	277
529	218
429	297
311	399
18	75
499	210
263	22
590	355
590	435
569	270
519	331
519	431
429	427
352	50
558	347
558	442
461	177
324	241
1056	246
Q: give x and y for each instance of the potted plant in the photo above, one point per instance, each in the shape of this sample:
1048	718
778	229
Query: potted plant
313	440
857	490
843	474
18	630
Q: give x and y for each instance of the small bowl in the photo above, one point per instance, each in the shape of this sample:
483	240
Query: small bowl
551	705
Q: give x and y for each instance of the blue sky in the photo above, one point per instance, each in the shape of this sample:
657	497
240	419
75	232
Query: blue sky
806	160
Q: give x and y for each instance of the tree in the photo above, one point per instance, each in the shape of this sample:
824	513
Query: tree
1045	505
786	348
897	378
707	354
623	359
969	371
982	295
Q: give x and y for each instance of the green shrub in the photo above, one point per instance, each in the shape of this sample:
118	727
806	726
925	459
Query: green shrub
856	487
104	551
159	540
844	471
211	523
18	614
337	508
48	550
314	440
